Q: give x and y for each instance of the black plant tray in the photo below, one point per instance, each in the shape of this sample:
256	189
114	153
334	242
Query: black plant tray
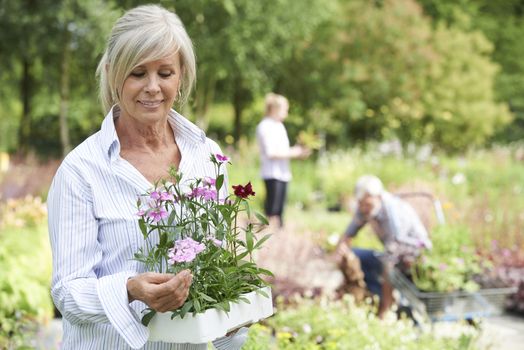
452	306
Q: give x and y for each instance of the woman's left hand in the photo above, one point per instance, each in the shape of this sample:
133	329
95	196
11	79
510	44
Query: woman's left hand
161	292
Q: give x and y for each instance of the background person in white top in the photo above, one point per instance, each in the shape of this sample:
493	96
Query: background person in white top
275	154
97	285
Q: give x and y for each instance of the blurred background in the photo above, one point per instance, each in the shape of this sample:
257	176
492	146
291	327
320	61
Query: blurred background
428	95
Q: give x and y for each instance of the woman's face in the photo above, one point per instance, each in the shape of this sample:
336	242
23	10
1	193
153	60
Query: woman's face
151	89
283	111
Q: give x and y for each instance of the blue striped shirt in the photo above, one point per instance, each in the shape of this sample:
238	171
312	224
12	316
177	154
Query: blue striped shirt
94	234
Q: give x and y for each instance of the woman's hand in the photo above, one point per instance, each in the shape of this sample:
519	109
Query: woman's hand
160	291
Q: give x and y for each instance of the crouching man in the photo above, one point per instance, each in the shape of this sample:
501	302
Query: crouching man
396	224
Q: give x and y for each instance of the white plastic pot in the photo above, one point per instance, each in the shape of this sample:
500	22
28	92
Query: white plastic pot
211	324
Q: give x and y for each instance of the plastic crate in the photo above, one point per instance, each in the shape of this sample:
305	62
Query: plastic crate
451	306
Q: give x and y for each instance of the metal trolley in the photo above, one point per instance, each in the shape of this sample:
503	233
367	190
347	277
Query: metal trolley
447	306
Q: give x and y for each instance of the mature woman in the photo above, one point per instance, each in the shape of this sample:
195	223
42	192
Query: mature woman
275	153
100	290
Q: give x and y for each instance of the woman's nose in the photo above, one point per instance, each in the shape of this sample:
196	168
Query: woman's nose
152	85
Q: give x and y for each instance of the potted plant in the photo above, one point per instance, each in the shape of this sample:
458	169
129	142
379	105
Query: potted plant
187	225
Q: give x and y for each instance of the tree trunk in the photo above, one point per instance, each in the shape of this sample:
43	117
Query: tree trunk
64	93
24	129
204	98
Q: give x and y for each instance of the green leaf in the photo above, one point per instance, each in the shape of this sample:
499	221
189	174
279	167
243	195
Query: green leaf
242	255
262	218
163	239
245	300
207	297
143	227
261	241
147	317
197	305
262	292
265	272
172	217
187	306
219	182
225	306
249	240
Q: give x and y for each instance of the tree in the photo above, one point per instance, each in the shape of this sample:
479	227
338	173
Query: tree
386	71
502	22
240	45
51	48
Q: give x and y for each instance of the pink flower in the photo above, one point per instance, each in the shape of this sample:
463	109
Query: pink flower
158	214
141	213
443	267
215	241
209	181
204	192
155	195
185	250
222	158
166	196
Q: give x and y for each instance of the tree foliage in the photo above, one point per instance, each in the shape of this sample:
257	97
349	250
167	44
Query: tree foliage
390	73
354	70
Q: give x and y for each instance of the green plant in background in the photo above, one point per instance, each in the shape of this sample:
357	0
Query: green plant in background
450	265
25	275
341	325
187	225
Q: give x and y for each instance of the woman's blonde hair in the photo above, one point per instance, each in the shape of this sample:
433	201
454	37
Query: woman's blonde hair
275	102
143	34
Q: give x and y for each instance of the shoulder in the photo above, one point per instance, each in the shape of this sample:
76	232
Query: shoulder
83	159
212	146
266	123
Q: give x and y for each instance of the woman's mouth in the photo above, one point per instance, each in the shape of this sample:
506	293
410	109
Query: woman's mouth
151	104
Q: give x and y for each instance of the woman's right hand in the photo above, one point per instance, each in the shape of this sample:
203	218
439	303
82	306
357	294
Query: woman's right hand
160	291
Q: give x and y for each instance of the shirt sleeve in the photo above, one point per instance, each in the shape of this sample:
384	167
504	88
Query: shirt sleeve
78	293
355	225
234	342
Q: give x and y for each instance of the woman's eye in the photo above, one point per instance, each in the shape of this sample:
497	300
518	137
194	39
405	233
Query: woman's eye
166	74
138	74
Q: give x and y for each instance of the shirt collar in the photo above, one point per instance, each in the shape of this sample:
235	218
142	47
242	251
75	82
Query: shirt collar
182	128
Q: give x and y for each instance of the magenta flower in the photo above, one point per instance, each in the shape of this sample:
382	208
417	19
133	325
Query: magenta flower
185	250
204	192
166	196
215	241
222	158
158	214
141	213
209	181
155	195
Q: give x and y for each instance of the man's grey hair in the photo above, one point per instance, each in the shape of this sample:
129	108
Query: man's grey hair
144	34
368	185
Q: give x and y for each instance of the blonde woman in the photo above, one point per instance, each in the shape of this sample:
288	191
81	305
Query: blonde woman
275	154
100	290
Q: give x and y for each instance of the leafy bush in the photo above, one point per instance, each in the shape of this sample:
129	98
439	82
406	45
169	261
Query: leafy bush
332	325
25	261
